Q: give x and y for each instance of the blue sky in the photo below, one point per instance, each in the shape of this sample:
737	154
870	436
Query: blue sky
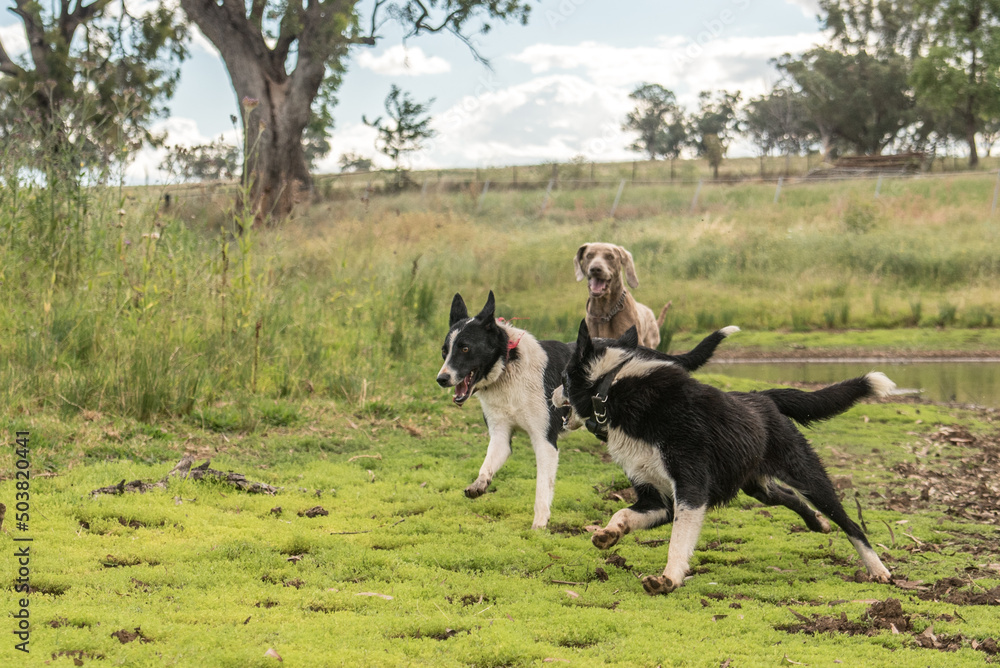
559	86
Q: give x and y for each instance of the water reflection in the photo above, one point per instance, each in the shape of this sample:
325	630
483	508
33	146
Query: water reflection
975	382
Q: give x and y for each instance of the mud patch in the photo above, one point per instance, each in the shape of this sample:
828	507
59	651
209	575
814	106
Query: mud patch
124	636
618	561
882	616
111	561
566	529
613	493
968	485
952	590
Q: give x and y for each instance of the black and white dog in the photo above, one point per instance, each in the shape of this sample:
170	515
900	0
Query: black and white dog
513	374
687	447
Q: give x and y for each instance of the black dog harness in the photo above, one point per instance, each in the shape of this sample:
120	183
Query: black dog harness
598	423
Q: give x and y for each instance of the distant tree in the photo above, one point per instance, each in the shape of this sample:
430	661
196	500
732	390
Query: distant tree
855	99
352	162
990	134
715	126
94	77
404	131
206	162
961	69
289	57
657	120
777	121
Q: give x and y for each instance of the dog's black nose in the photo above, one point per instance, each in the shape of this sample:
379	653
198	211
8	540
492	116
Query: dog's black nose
443	380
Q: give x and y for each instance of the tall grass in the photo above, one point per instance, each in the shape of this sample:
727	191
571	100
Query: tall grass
175	311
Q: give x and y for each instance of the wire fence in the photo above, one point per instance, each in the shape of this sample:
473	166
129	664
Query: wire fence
478	193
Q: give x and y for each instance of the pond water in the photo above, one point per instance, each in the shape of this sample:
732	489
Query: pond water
965	381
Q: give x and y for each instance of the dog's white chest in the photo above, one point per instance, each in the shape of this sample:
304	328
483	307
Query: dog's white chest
641	461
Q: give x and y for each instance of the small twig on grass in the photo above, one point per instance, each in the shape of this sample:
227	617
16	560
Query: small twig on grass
567	582
183	469
379	457
891	534
354	533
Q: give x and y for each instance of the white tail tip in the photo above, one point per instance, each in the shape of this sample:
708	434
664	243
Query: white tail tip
880	383
726	331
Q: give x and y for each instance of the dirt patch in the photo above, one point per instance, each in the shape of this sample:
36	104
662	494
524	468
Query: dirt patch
111	561
957	591
612	493
315	511
566	529
618	561
968	484
125	636
881	616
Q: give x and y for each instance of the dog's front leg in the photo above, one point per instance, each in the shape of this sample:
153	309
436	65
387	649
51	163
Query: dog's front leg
496	455
546	463
683	539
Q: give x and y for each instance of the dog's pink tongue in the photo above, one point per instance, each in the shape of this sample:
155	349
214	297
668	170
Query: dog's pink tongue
597	286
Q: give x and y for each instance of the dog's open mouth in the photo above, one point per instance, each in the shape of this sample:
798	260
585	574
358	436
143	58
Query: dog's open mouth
464	389
597	286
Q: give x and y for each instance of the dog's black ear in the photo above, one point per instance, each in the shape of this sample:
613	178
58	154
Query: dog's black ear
458	310
630	339
584	346
486	315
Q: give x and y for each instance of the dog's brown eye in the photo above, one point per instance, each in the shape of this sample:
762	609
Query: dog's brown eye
465	349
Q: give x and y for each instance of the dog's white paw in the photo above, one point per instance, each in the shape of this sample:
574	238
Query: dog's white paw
658	584
605	538
478	488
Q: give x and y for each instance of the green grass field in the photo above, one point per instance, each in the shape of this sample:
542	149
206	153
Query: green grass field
305	358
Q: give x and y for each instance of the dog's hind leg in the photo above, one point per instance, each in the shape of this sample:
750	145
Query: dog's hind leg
496	455
650	510
771	494
683	539
804	471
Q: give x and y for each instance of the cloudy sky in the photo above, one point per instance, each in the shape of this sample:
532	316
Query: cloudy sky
558	87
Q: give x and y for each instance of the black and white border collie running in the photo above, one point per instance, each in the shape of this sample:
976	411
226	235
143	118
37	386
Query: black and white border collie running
513	374
687	447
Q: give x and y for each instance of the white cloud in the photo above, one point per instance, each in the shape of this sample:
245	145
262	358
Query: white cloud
13	39
809	7
358	139
401	61
682	64
554	117
145	167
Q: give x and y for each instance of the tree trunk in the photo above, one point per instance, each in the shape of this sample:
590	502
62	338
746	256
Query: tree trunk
275	105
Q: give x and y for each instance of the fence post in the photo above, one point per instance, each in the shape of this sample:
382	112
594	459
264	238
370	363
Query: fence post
545	202
777	191
633	171
515	174
694	201
996	193
878	186
614	207
423	190
482	196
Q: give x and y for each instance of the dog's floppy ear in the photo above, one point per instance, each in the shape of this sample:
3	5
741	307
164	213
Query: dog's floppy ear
584	346
630	339
458	310
578	262
626	260
486	315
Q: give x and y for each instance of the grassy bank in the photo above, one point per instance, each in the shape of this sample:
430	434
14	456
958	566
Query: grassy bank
405	571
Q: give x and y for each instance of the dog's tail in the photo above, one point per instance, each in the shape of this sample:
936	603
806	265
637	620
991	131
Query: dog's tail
697	357
663	315
808	407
